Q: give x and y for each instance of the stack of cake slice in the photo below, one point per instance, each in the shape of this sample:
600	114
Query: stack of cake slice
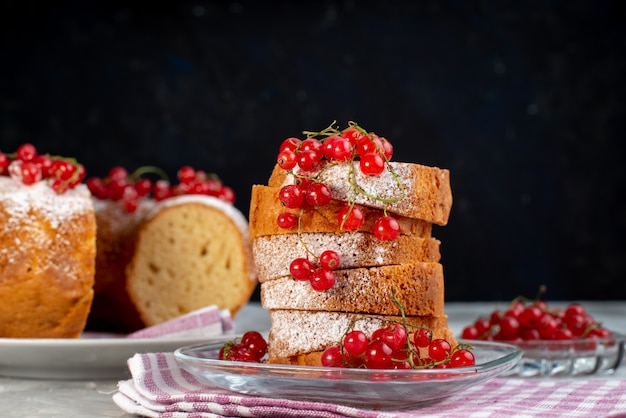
371	273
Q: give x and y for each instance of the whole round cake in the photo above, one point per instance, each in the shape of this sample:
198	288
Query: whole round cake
47	246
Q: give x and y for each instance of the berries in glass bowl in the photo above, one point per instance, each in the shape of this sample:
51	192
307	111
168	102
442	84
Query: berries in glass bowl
555	341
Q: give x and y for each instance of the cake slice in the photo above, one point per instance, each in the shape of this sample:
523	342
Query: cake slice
299	337
356	249
416	191
265	206
191	252
418	287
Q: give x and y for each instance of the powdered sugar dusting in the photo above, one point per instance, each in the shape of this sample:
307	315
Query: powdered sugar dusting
117	218
419	288
426	196
37	224
354	249
19	199
307	331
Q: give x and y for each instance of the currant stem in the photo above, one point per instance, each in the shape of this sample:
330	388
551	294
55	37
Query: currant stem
149	169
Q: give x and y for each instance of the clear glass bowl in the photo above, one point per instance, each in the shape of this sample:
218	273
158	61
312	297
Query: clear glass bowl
375	389
569	357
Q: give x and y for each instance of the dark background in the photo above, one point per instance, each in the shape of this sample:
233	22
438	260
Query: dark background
522	101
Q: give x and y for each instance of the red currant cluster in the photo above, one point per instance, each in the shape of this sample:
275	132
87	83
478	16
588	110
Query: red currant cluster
129	189
535	321
29	167
311	155
392	347
321	277
251	348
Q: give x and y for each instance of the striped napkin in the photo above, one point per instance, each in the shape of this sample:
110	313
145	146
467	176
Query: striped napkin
160	388
205	322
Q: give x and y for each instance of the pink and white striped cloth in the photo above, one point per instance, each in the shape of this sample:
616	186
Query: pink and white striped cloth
209	321
160	388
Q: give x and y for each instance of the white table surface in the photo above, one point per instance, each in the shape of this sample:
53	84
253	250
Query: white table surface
93	398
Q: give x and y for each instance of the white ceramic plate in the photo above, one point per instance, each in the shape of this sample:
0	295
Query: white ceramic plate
93	358
375	389
98	357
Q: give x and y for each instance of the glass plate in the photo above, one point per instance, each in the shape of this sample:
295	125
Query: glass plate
569	357
374	389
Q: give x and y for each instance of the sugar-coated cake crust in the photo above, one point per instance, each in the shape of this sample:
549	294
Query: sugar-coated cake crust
112	310
47	253
427	192
265	206
295	333
356	249
418	287
191	252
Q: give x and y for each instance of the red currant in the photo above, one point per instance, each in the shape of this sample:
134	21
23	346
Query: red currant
255	342
26	152
186	174
439	349
337	148
509	328
290	144
386	228
378	355
301	269
530	316
161	190
394	336
318	194
97	188
286	159
350	218
31	172
332	357
238	352
355	342
353	135
310	144
227	194
563	334
599	332
322	279
470	333
482	325
329	259
287	220
367	145
117	173
143	187
291	196
387	149
422	337
372	164
574	309
462	358
575	323
45	163
309	160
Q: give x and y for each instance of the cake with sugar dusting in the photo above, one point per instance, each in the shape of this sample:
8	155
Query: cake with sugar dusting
342	238
176	249
47	246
